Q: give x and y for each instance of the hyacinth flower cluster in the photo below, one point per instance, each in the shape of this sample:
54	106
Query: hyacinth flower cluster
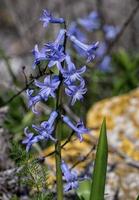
92	23
70	78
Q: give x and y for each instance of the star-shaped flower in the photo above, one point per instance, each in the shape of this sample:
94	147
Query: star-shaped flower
105	65
76	92
46	128
89	50
55	50
101	50
111	31
79	128
91	22
51	83
74	30
44	132
47	18
39	55
70	177
30	139
33	99
72	74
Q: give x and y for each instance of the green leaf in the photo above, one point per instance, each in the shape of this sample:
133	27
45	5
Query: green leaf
124	60
137	197
83	191
100	166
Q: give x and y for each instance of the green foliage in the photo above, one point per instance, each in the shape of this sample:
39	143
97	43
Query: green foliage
33	173
15	198
122	77
17	117
100	166
43	196
83	191
137	197
18	154
127	72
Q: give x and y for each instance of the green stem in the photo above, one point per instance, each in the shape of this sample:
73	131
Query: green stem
58	149
58	163
58	137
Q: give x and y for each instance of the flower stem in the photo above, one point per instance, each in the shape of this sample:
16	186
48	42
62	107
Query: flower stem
59	182
58	163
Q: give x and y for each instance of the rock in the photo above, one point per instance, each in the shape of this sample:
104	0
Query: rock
122	117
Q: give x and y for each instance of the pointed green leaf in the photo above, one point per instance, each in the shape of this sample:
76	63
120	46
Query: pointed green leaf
100	166
137	197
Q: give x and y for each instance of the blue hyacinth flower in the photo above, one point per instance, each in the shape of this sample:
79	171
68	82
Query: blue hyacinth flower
48	87
91	22
55	50
76	92
74	30
89	50
72	74
33	99
70	177
30	139
79	128
47	127
56	56
105	64
111	31
44	132
47	18
50	122
101	50
39	55
51	52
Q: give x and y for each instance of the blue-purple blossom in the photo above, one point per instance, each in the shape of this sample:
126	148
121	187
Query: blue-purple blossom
56	56
76	92
105	64
70	177
33	99
55	50
74	30
79	128
30	139
72	74
52	51
111	31
89	50
39	55
91	22
47	18
44	132
48	87
47	127
101	49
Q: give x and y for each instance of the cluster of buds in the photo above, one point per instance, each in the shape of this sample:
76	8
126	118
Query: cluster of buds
70	77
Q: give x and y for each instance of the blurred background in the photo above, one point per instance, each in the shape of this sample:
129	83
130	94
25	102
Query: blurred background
112	88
